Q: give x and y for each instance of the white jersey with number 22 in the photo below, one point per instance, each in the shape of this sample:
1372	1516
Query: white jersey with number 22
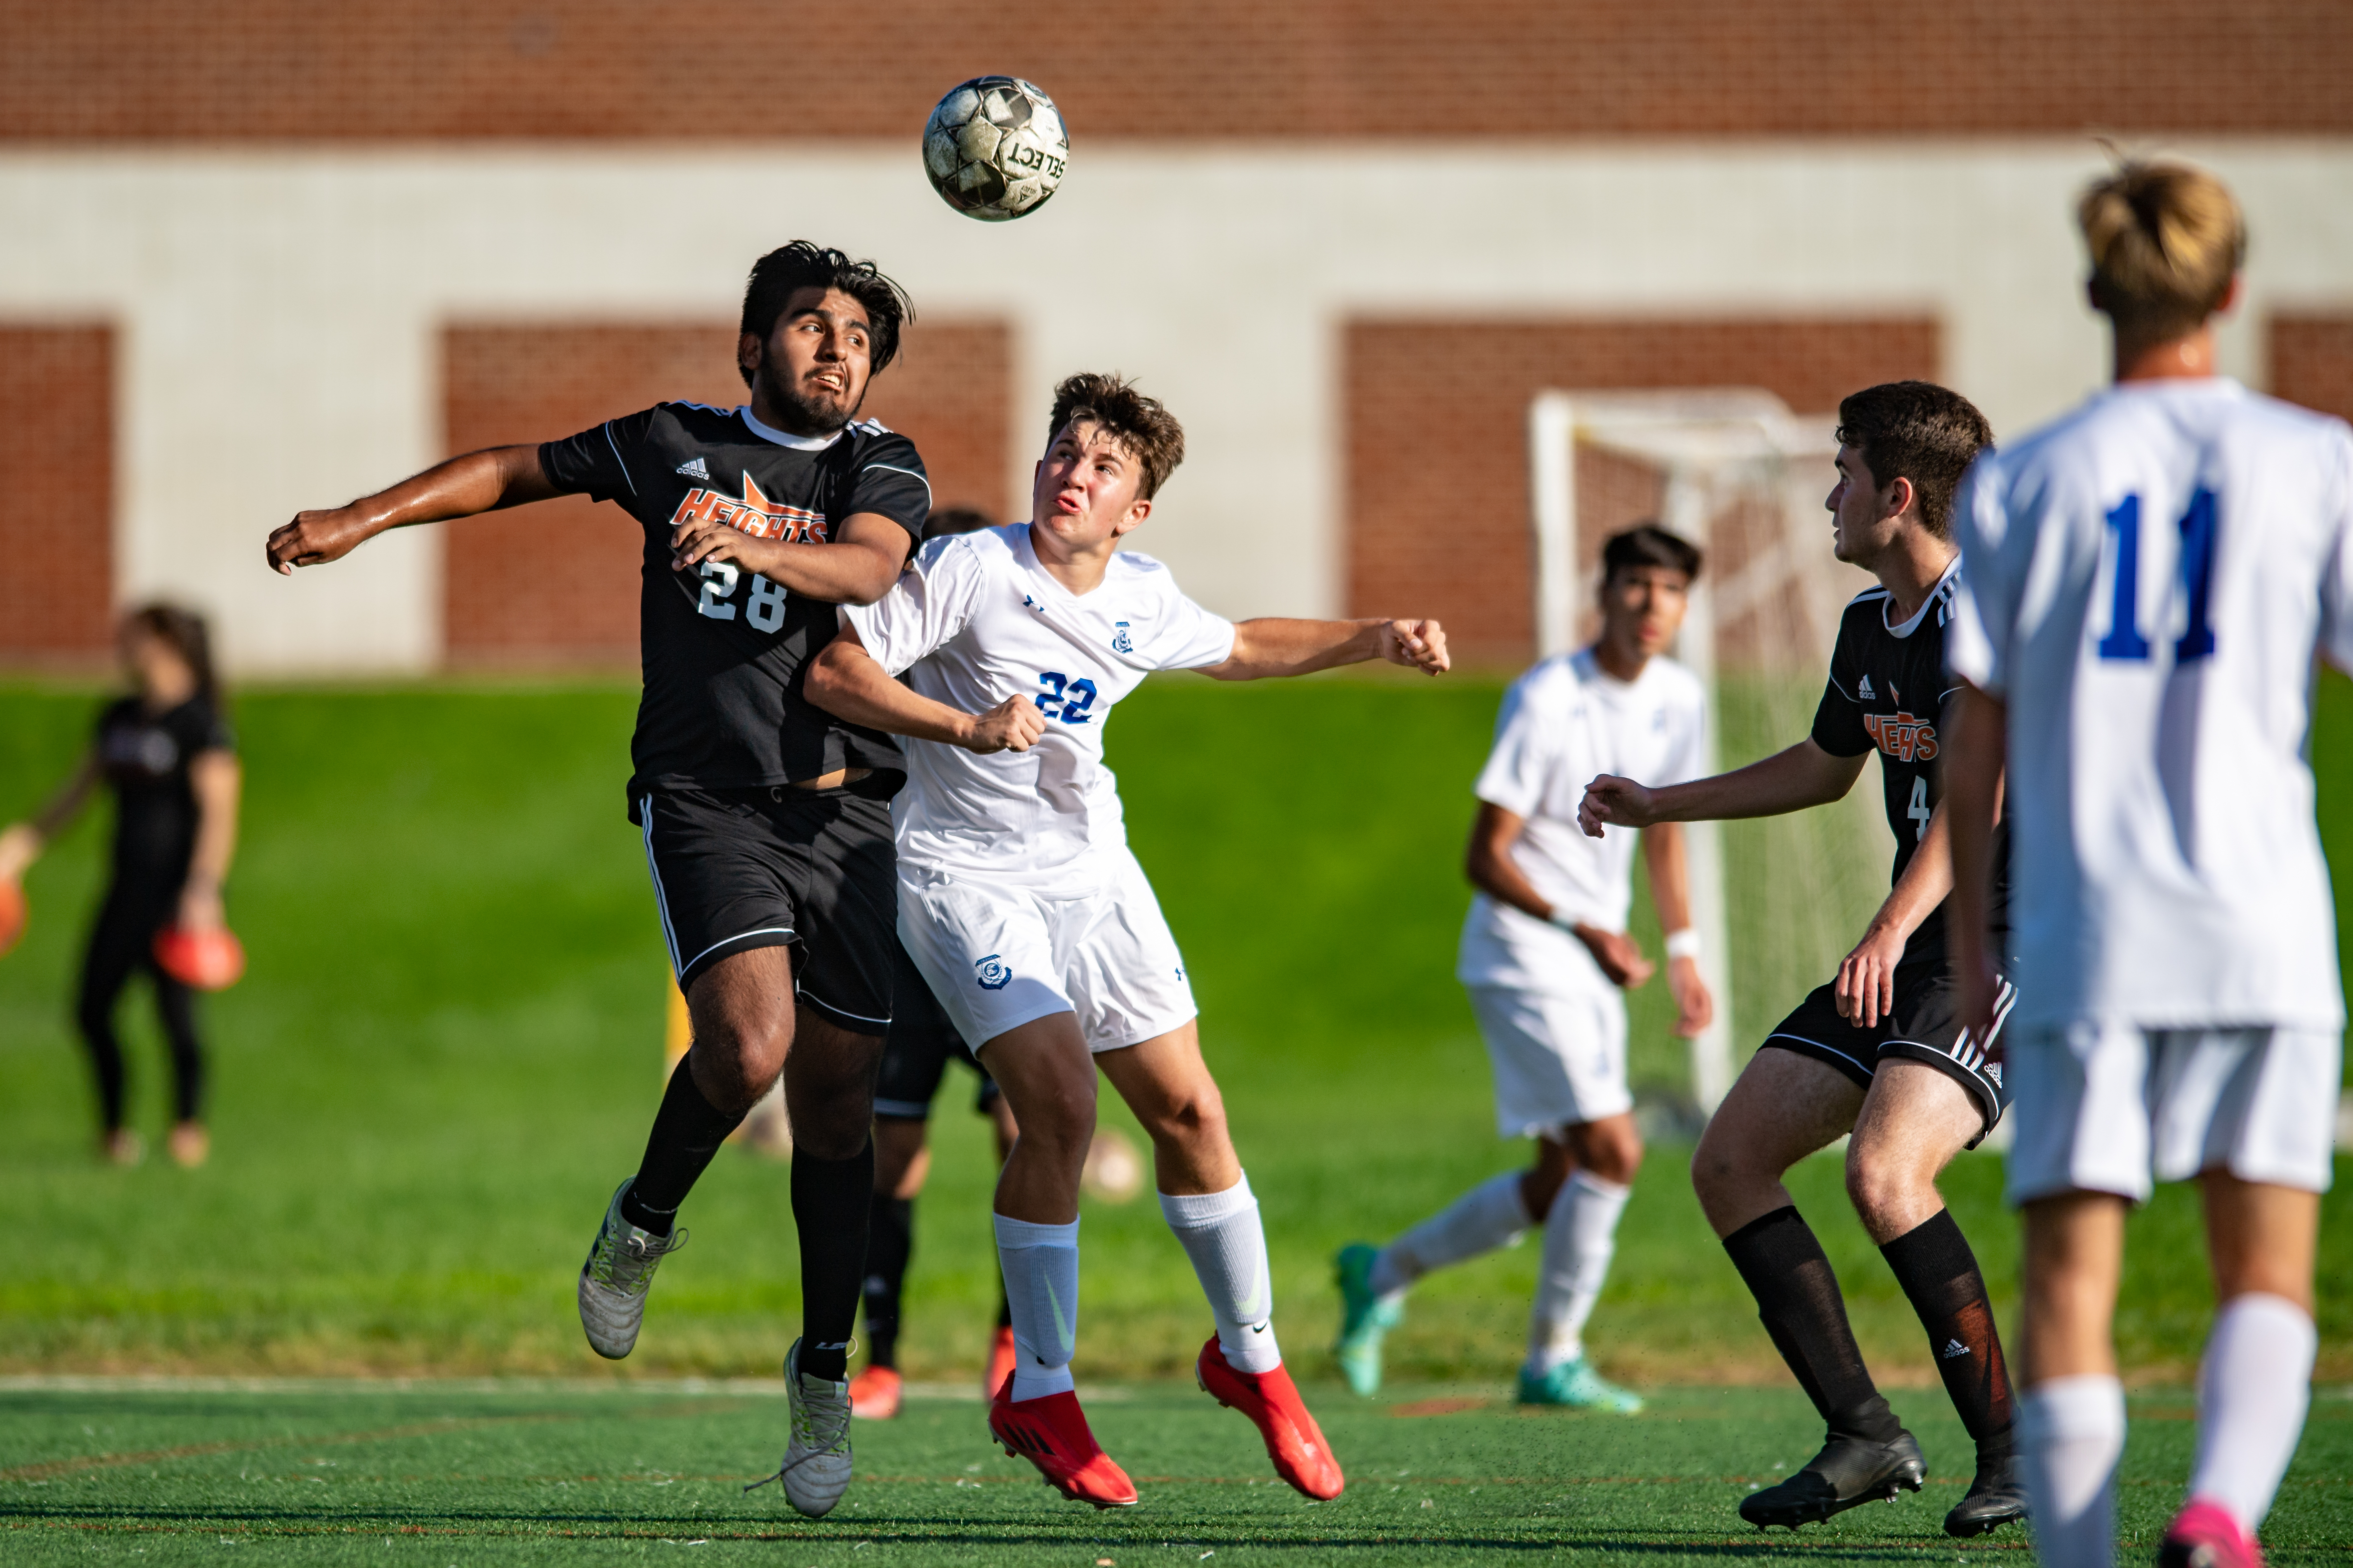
2148	579
977	620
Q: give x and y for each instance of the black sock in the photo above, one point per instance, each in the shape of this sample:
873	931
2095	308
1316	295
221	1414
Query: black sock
890	1241
688	1130
1004	1305
1934	1264
1798	1298
831	1200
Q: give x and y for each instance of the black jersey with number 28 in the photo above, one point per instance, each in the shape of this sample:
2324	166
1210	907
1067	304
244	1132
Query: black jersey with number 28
724	651
1889	693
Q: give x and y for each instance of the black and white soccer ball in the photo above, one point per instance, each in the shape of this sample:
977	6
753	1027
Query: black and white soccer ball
995	148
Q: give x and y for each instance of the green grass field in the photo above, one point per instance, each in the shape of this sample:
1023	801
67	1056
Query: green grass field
446	1053
463	1474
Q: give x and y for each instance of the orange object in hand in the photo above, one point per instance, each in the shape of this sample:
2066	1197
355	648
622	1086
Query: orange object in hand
14	912
208	960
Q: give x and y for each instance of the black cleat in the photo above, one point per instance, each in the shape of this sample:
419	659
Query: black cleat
1847	1473
1996	1497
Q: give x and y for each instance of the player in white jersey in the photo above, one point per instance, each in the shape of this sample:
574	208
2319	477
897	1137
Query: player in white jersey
1031	920
2150	580
1544	953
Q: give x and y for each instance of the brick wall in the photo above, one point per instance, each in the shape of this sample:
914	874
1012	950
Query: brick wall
512	383
1178	70
1436	422
57	493
2312	361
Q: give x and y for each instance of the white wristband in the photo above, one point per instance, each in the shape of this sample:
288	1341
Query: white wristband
1563	919
1683	944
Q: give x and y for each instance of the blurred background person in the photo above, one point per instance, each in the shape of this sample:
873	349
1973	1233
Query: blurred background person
166	751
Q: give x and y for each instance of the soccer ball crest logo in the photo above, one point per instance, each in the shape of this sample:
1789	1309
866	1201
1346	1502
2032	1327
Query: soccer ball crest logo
996	148
992	973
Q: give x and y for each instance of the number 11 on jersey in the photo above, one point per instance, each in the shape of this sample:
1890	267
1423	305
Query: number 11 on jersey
2125	641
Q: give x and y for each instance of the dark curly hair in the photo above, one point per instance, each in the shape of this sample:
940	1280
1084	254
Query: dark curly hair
805	265
1919	431
1142	425
1648	544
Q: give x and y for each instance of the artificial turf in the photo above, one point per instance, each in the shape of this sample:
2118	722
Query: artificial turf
450	1474
445	1054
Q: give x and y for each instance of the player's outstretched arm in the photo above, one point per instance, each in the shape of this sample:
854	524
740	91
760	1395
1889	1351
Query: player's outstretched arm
462	486
1787	781
857	567
845	681
1975	758
1271	645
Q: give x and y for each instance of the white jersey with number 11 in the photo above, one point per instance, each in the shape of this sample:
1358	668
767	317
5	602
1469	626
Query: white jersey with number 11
2148	581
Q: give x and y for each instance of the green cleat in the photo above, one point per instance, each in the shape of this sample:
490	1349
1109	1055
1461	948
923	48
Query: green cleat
1364	1318
1576	1384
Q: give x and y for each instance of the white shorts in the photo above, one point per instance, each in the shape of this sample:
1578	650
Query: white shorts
997	957
1559	1059
2111	1108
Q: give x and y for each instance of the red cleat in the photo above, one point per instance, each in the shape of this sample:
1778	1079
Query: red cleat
2204	1535
875	1394
1270	1399
1001	1357
1052	1433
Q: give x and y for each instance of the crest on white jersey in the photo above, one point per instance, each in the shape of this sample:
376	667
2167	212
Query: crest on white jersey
1120	642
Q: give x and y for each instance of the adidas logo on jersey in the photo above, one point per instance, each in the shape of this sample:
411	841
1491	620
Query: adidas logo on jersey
1864	690
692	468
1953	1350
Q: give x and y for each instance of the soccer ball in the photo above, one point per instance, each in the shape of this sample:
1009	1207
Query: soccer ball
995	148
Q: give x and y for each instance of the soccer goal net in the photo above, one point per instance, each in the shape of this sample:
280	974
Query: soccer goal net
1778	901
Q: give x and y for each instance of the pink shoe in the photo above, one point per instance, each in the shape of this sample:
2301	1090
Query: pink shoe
2204	1535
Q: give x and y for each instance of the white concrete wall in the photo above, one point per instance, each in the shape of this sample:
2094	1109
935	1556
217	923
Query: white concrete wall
279	308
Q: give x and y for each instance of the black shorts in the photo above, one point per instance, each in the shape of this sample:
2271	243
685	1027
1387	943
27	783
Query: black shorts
916	1052
1926	1027
812	870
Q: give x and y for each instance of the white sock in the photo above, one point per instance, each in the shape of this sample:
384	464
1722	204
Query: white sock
1221	1234
1482	1219
2071	1433
1581	1235
1041	1286
2252	1394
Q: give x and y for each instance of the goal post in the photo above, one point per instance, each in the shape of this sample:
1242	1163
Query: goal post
1776	902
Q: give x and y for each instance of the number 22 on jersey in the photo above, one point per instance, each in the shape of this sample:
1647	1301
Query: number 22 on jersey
1059	697
764	610
2125	641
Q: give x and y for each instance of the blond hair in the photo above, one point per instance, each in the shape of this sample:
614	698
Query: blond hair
2166	240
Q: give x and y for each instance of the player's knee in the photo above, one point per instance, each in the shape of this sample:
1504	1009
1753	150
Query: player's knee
1189	1120
1883	1186
1617	1157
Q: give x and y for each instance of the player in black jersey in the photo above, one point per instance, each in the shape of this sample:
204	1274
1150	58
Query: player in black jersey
765	820
1880	1051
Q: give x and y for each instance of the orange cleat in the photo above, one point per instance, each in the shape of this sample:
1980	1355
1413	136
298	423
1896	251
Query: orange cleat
1052	1433
1271	1400
1001	1357
875	1394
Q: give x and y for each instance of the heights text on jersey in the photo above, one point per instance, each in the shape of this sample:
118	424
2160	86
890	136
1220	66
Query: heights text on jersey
2149	578
979	620
1888	693
724	651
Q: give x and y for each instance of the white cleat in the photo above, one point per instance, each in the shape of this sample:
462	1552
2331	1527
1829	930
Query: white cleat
815	1470
614	1281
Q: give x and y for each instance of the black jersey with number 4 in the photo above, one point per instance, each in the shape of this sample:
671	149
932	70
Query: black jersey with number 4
1888	693
725	652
